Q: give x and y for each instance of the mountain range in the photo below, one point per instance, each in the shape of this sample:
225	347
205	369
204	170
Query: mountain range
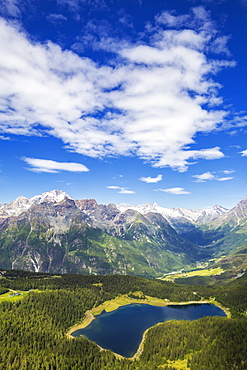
55	233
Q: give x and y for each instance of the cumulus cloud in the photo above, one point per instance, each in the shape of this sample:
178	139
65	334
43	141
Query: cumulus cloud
212	176
150	102
204	177
244	153
120	189
151	180
49	166
176	191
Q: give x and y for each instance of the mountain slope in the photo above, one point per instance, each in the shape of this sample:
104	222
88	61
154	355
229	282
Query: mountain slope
54	233
224	234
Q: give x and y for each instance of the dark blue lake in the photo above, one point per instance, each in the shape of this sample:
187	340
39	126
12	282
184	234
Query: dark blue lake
121	330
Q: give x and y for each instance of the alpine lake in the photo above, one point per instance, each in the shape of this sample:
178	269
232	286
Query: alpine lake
122	330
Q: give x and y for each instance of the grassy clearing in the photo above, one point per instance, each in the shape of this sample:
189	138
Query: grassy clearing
203	272
124	300
12	295
16	295
179	364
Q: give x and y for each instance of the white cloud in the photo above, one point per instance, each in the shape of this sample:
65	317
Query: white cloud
4	137
224	178
121	190
151	103
74	6
227	172
10	7
49	166
212	176
176	191
126	191
204	177
171	20
244	153
220	45
151	180
179	159
56	18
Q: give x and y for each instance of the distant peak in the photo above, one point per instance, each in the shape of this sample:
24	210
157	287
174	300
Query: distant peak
20	199
217	206
53	196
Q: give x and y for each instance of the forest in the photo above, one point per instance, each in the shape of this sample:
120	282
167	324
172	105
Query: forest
33	327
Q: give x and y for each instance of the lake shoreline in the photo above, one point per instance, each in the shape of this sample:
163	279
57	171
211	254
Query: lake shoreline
141	345
124	300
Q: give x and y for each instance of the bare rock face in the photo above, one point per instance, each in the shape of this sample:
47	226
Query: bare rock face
86	204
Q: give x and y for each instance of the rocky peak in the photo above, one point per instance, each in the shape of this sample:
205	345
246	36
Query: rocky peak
86	204
126	217
107	213
14	208
234	217
23	204
241	208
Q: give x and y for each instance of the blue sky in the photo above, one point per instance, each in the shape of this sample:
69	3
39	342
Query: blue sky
127	101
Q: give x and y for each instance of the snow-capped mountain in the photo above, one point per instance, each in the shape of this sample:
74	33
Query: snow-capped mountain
179	218
22	204
52	232
53	196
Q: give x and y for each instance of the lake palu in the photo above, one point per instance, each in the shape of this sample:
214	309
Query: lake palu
121	330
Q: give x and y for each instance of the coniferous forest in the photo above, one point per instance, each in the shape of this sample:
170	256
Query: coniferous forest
33	328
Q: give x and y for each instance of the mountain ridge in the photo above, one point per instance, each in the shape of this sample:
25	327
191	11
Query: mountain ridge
55	233
52	232
188	217
23	203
